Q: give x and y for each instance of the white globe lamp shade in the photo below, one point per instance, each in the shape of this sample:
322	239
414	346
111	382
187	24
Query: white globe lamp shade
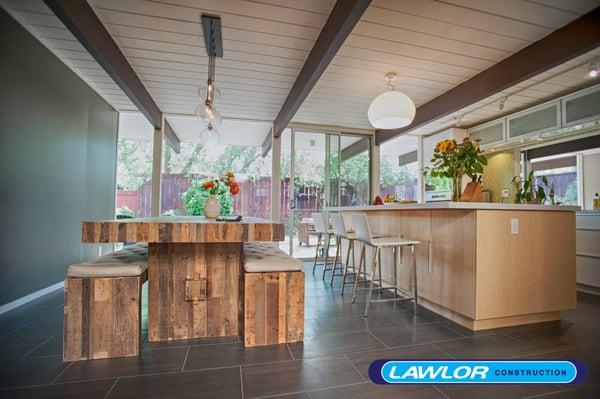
391	110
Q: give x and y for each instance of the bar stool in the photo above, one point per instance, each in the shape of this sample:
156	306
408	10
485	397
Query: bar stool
363	233
322	229
342	232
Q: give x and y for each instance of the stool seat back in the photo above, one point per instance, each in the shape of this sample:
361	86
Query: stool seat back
319	222
339	227
361	228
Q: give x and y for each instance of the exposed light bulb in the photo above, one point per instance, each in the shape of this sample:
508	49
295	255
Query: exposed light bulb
593	72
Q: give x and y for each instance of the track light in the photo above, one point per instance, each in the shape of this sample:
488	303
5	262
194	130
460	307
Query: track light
593	72
501	103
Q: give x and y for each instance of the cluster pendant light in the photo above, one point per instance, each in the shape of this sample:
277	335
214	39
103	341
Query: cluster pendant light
207	111
391	109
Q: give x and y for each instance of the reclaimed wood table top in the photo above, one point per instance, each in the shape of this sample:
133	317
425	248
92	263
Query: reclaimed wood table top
181	229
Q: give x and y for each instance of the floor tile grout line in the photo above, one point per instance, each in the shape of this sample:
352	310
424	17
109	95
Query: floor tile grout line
62	372
440	391
38	346
308	391
355	369
187	353
15	330
290	350
520	341
111	388
377	338
242	382
442	350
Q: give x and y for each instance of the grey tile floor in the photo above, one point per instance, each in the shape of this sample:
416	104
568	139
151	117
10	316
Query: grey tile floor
332	362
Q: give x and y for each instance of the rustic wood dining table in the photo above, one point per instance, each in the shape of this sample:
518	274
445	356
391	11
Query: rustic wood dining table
195	271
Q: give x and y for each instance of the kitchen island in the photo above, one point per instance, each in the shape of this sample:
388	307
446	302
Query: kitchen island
483	265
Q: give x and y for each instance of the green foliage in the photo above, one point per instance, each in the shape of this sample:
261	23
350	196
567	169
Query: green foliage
195	198
125	212
355	170
527	191
134	163
455	160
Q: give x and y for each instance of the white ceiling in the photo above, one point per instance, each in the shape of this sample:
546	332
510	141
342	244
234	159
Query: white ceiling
432	45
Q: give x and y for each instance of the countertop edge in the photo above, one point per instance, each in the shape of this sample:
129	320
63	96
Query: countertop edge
458	205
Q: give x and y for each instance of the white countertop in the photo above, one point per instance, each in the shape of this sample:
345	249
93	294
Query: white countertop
458	205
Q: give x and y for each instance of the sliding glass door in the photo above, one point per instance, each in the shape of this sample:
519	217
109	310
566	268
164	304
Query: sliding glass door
326	169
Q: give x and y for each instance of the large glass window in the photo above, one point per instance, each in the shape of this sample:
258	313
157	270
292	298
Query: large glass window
239	151
399	170
134	166
354	171
561	174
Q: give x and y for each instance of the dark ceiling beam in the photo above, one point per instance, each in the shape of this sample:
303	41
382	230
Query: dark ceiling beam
568	42
267	143
84	24
171	138
344	16
354	149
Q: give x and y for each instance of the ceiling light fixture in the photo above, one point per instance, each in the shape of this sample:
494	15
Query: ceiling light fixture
501	103
391	109
593	72
206	111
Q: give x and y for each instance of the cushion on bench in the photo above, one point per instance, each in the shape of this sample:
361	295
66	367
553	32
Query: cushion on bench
130	261
265	257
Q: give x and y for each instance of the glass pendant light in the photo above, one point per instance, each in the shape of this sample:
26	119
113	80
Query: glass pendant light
392	109
209	137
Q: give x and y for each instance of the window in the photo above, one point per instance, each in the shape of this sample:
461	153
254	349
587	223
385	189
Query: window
399	169
354	171
199	162
134	166
561	173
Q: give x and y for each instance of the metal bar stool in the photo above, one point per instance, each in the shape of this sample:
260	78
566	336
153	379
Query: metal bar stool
322	230
342	232
363	233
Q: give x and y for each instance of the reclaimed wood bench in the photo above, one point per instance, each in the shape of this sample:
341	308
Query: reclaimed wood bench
102	310
273	296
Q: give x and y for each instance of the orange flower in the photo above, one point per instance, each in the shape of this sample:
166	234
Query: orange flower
234	188
230	175
209	184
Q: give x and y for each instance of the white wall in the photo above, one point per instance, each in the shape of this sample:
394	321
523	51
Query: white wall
591	178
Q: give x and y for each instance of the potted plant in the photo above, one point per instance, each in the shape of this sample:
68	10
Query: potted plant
211	198
454	160
528	191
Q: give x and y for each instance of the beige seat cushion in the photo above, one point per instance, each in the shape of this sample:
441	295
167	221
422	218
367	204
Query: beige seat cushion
265	257
131	261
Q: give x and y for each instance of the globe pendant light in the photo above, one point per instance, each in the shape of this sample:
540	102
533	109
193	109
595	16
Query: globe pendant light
392	109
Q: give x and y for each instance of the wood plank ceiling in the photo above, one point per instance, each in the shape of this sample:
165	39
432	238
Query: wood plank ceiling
432	45
435	45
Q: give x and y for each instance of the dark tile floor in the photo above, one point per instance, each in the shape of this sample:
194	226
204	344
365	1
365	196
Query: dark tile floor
332	362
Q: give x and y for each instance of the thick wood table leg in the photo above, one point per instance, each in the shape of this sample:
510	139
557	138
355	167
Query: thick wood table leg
193	290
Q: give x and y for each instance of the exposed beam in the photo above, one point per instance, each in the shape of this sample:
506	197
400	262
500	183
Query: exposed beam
568	42
355	148
344	16
267	143
171	138
84	24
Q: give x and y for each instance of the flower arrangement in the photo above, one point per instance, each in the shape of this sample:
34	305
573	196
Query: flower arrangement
454	160
220	190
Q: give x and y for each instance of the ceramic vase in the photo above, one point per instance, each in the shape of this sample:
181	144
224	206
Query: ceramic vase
212	207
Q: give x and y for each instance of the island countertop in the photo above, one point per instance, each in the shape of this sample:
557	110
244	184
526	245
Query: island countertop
457	205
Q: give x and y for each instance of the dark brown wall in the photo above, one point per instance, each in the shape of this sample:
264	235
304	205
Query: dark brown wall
57	163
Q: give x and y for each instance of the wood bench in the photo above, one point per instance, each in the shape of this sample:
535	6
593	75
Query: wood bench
273	296
102	311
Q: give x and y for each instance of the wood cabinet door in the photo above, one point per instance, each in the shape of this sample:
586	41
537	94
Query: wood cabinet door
452	277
